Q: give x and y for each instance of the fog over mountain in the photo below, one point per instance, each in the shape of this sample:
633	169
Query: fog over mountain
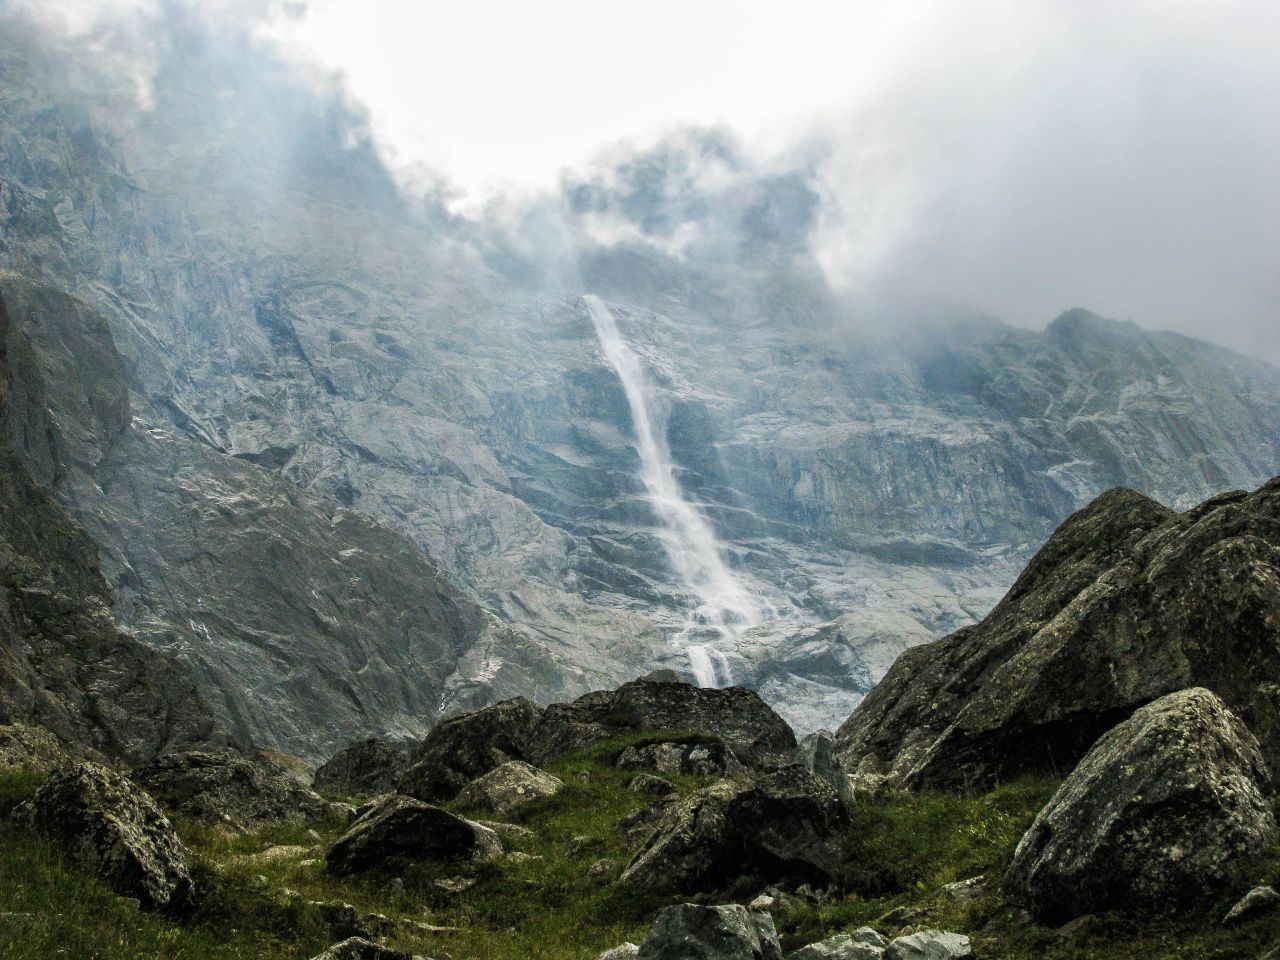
374	453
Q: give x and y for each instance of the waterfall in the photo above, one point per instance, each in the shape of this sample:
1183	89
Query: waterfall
724	606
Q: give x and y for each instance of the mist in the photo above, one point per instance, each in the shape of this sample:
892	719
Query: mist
999	159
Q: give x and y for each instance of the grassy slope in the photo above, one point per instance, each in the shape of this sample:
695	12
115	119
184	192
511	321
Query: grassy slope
899	852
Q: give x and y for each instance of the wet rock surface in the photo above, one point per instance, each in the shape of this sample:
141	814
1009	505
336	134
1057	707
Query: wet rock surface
402	828
368	768
229	789
1127	601
784	826
1156	816
101	822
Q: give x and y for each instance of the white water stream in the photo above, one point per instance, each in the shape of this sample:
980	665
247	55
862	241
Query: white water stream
724	605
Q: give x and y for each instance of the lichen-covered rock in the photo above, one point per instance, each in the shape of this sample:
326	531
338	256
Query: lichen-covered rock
462	748
103	823
23	746
1155	817
509	788
229	789
1126	602
735	715
703	759
648	784
402	828
358	948
623	951
784	826
368	768
862	944
690	931
929	945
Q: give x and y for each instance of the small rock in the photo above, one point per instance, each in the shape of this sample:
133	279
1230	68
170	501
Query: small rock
729	932
341	918
862	944
358	948
651	785
962	891
1077	927
1256	903
602	871
454	884
507	831
929	945
900	916
623	951
763	902
519	856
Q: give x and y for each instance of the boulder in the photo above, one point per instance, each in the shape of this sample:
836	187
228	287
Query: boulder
402	828
28	747
358	948
509	788
929	945
690	931
368	768
1256	903
703	759
1154	818
783	826
862	944
459	749
103	823
734	715
229	789
1126	602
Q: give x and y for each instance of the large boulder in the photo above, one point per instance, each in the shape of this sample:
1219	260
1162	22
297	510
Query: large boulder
103	823
697	757
229	789
734	715
784	826
459	749
690	931
509	788
368	768
402	828
1154	818
1126	602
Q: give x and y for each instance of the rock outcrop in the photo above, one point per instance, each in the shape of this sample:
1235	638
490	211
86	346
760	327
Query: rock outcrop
368	768
229	789
102	823
507	789
1127	601
400	828
461	748
690	931
784	826
1154	818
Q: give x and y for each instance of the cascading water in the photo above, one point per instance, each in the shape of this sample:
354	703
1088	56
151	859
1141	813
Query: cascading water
724	606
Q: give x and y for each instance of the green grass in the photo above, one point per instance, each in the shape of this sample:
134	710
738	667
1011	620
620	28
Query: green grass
899	851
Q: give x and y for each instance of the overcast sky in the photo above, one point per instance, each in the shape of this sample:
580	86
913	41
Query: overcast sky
1013	156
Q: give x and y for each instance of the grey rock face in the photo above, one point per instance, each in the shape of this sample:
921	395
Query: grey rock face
368	768
690	931
1126	602
929	945
509	788
402	828
228	789
784	826
358	948
1154	817
104	824
735	715
697	759
462	748
1256	903
862	944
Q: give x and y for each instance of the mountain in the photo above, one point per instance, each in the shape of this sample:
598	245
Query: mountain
361	462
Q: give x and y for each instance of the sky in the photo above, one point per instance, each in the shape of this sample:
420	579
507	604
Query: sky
1014	157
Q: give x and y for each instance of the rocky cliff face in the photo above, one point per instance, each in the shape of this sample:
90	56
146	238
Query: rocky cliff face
339	396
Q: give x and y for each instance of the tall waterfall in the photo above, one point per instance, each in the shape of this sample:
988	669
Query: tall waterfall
724	606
